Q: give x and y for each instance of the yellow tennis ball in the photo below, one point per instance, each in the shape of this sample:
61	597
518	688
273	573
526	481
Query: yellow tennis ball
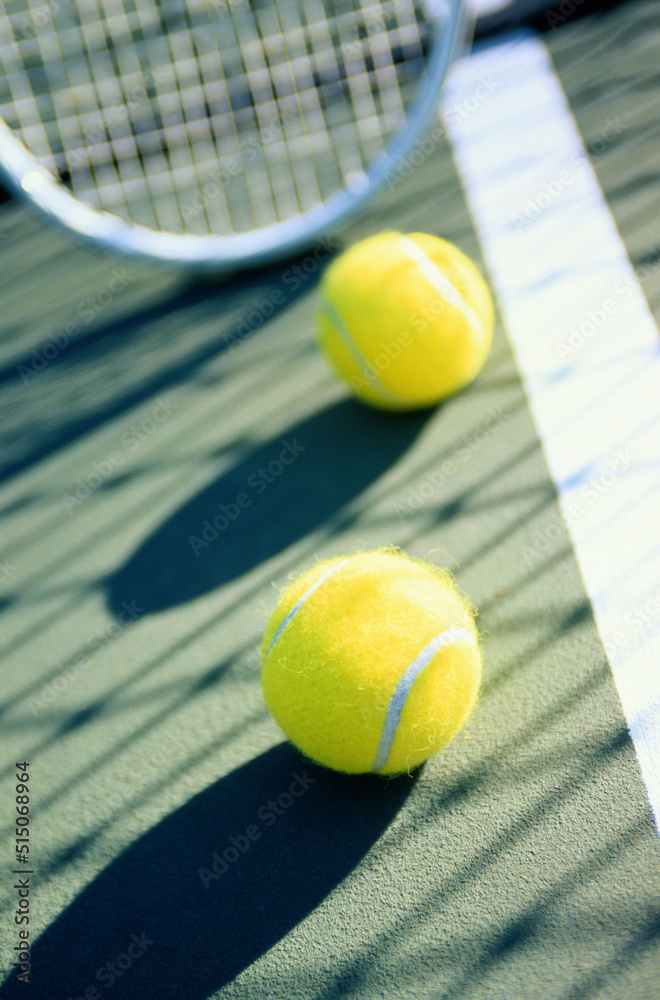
405	320
371	662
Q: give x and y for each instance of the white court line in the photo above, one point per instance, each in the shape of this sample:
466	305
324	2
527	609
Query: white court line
585	343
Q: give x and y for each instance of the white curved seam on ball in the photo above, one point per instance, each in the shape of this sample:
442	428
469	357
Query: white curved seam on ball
440	283
298	605
457	633
346	337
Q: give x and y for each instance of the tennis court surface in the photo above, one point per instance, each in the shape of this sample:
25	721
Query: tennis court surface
179	847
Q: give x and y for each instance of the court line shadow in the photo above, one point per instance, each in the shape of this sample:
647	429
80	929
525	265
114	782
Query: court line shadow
187	938
314	471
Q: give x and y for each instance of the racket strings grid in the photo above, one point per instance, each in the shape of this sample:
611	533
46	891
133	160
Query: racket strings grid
211	117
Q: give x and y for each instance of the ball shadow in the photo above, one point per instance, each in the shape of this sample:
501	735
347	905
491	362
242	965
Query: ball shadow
282	491
162	929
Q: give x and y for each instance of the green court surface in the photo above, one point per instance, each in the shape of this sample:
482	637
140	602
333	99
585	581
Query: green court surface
521	863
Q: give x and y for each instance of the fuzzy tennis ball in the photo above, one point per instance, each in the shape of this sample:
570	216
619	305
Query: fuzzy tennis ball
371	662
405	320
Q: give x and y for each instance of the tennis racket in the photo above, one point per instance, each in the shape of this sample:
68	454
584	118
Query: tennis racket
214	133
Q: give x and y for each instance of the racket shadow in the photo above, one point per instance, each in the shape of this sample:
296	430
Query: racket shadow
282	491
153	925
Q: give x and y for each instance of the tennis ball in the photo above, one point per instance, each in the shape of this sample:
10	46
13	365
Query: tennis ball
405	320
371	662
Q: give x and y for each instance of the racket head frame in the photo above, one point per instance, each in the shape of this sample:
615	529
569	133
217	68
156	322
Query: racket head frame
31	181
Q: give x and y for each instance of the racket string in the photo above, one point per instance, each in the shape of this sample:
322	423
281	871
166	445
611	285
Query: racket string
206	116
